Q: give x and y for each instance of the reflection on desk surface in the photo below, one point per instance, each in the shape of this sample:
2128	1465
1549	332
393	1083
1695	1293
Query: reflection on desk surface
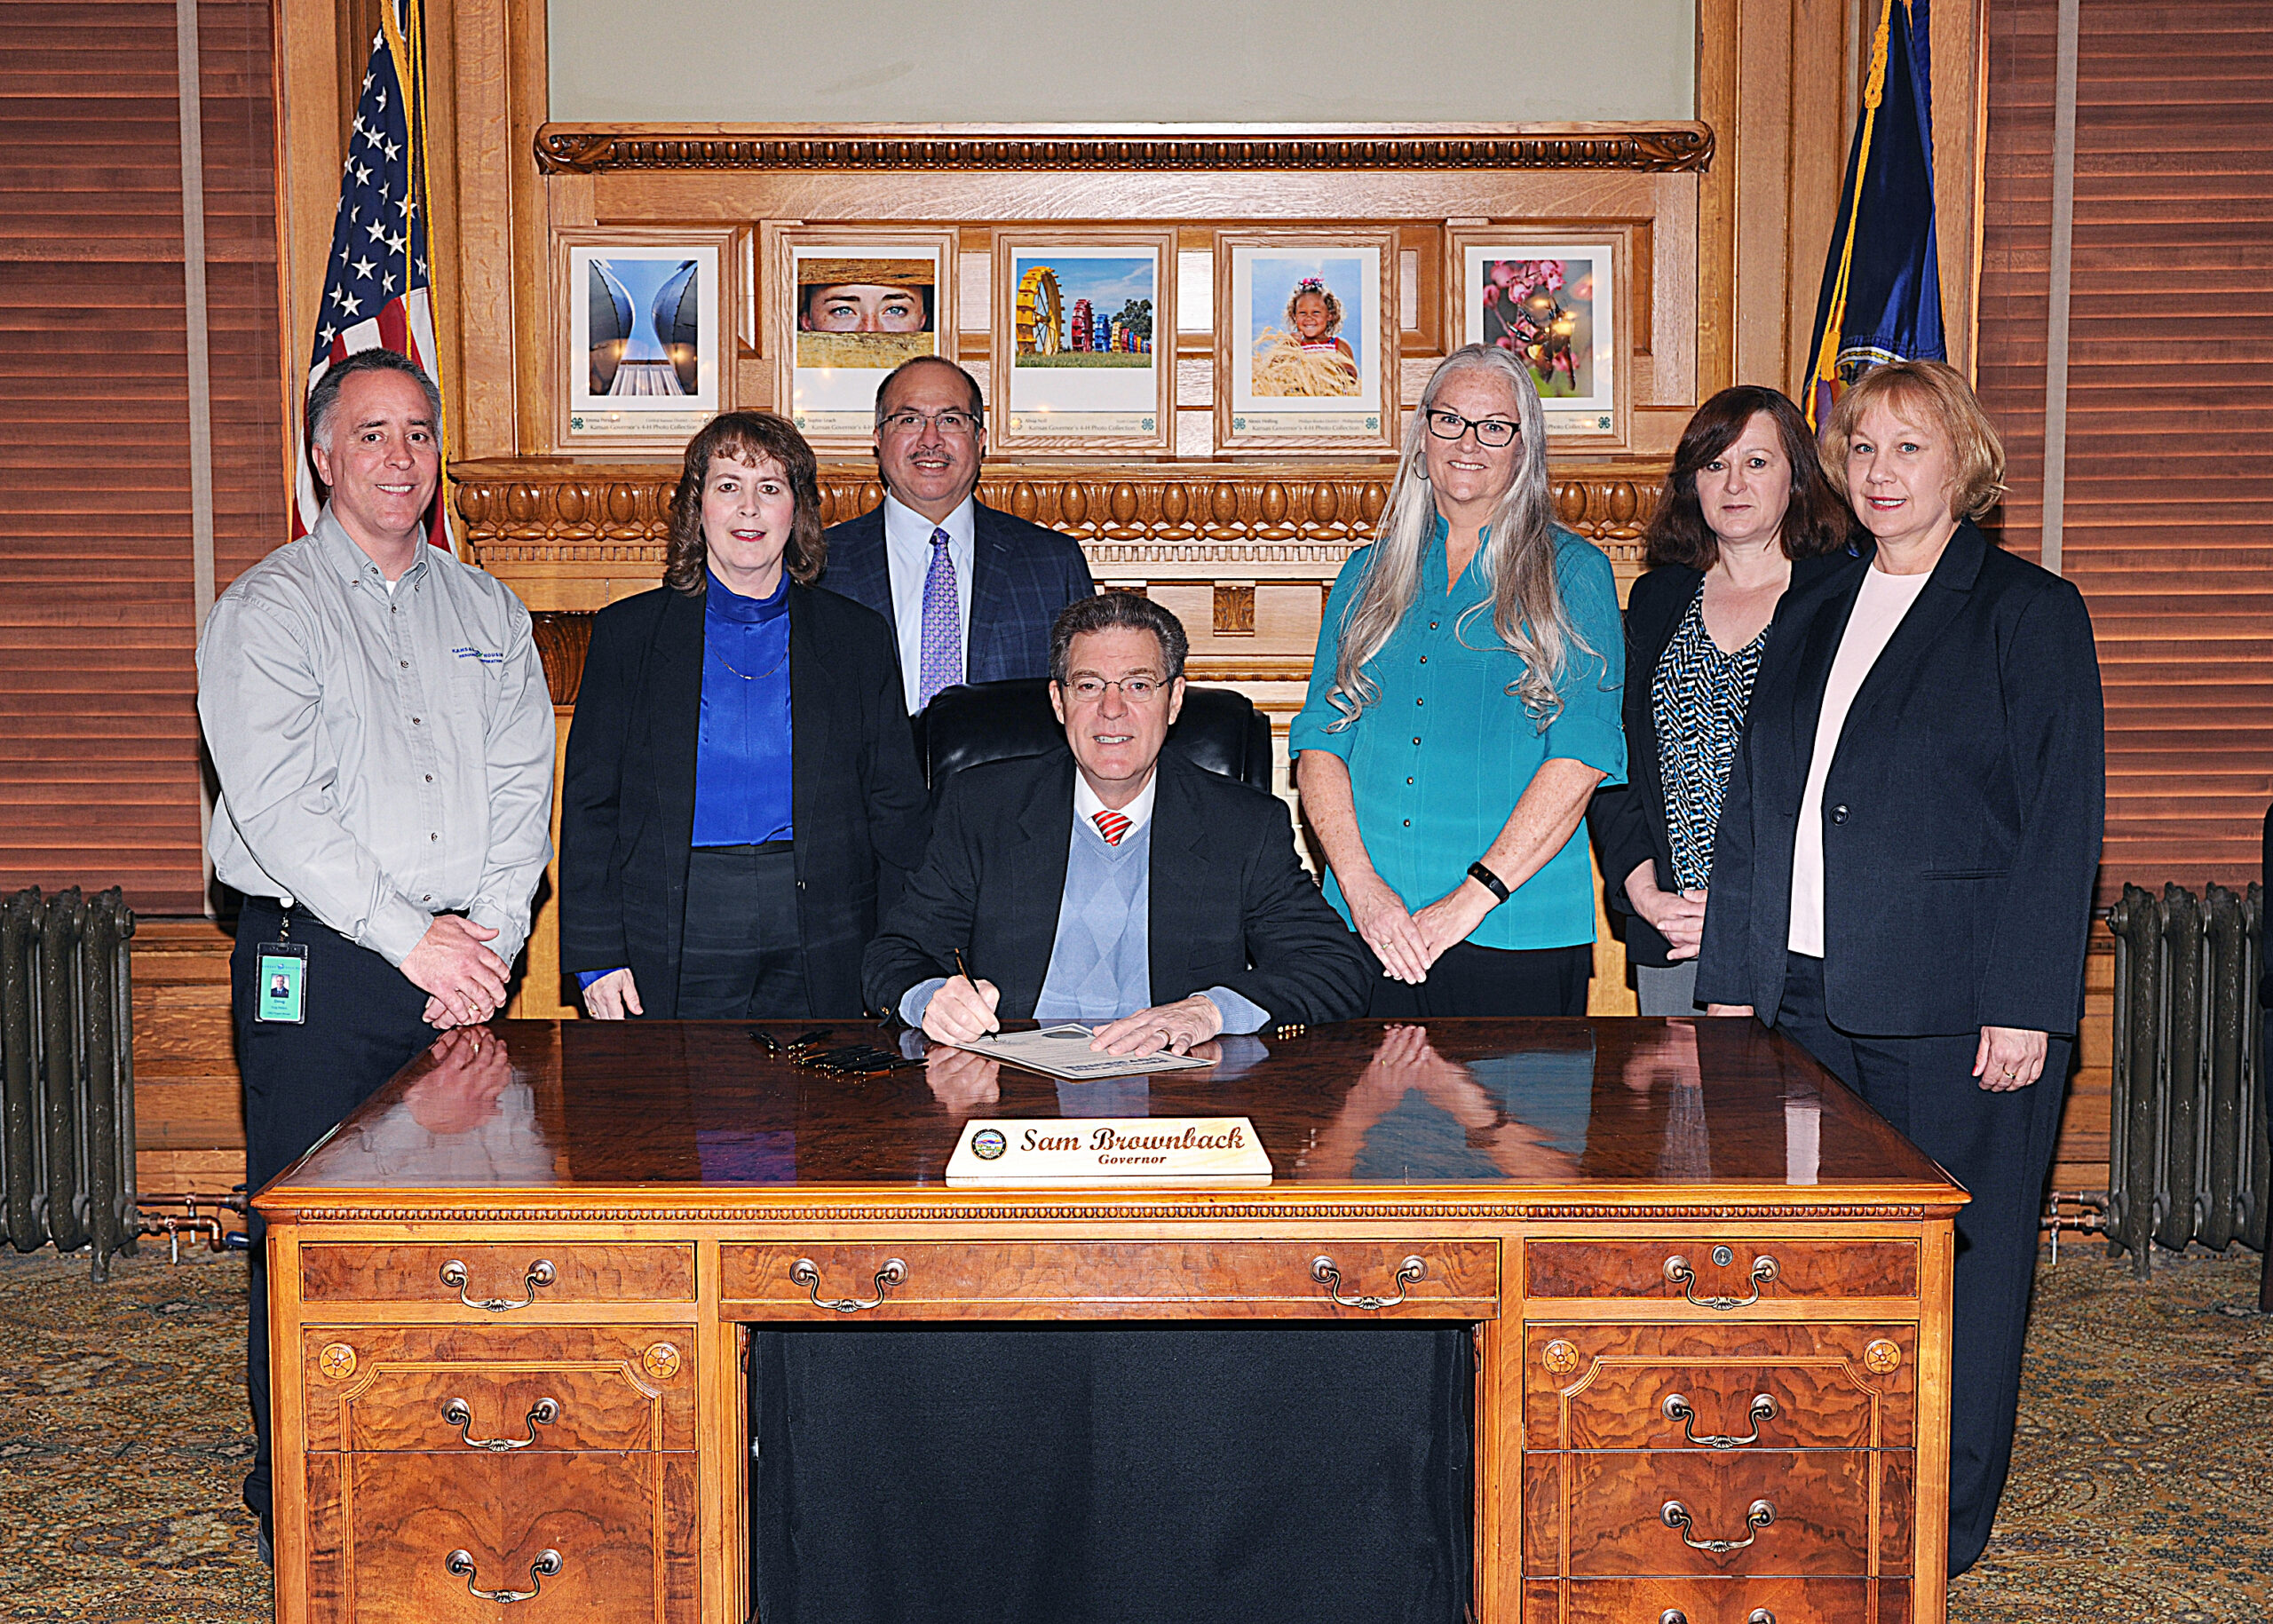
564	1105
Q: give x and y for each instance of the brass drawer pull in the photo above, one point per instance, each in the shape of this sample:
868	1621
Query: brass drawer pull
460	1563
807	1274
459	1414
1678	1272
1675	1516
539	1273
1326	1274
1677	1408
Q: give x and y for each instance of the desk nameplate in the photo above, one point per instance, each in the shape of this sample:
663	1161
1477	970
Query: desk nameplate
1052	1153
1110	1279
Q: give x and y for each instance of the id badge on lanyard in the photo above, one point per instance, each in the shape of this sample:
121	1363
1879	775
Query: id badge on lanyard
282	994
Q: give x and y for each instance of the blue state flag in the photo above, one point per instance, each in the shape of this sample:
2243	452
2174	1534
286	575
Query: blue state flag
1881	297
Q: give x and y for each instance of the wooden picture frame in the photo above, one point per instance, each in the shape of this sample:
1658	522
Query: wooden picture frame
1092	396
825	381
1276	390
621	382
1584	368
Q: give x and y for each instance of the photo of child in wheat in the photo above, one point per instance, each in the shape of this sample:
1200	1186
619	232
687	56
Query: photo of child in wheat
1300	350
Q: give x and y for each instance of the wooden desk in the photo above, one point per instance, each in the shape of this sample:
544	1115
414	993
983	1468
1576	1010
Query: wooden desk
613	1204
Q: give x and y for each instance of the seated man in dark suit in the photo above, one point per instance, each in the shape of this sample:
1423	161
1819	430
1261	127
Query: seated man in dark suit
1203	1474
1111	882
969	592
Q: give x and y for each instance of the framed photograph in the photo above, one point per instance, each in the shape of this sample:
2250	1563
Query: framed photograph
644	318
1556	298
1306	340
1085	342
844	306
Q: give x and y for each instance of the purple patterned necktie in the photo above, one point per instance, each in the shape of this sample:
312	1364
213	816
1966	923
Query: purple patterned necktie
942	662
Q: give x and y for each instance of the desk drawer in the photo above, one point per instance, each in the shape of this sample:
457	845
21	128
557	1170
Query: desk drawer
1834	1385
612	1388
1104	1279
1716	1600
1723	1272
1828	1512
498	1278
616	1533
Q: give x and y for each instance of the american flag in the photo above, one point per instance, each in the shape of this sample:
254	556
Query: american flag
376	285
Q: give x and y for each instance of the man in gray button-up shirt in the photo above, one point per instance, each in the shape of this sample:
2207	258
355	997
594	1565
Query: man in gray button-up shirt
379	721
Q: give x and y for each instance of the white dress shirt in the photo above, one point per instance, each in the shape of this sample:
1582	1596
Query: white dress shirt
1879	608
907	555
1138	811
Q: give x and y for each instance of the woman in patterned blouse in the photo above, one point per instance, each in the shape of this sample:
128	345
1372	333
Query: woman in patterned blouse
1745	505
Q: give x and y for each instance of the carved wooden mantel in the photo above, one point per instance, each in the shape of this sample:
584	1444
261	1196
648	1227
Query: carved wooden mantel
591	149
1242	553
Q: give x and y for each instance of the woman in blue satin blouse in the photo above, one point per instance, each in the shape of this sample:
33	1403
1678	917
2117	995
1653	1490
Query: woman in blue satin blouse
1463	706
742	796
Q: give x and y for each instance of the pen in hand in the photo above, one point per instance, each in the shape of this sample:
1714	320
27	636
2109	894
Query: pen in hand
961	1014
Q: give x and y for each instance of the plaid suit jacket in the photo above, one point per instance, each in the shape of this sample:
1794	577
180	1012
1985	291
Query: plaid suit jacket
1021	576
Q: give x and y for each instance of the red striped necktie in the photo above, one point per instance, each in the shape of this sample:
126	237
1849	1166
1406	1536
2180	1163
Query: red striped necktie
1112	825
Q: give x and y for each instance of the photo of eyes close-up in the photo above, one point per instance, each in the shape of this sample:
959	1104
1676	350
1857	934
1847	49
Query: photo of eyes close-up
870	313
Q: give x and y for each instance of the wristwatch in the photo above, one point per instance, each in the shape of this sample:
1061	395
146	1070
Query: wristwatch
1488	880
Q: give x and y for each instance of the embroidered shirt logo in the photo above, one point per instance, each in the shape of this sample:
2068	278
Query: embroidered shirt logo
482	654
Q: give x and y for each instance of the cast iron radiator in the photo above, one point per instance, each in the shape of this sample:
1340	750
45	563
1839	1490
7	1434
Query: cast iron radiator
67	1073
2187	1155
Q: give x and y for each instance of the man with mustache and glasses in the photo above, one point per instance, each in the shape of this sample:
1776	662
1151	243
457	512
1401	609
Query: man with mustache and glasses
970	591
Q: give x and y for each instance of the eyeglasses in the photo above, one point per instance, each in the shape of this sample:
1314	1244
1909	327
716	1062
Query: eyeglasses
1492	432
951	423
1136	690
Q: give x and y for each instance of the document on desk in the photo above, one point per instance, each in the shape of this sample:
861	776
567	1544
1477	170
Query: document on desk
1063	1051
1168	1150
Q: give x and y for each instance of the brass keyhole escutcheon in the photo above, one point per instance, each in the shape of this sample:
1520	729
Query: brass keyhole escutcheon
660	1361
336	1361
1880	1356
1559	1357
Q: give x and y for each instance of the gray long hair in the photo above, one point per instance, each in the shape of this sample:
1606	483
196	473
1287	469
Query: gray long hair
1518	559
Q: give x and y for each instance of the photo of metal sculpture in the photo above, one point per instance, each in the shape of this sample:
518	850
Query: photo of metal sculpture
644	327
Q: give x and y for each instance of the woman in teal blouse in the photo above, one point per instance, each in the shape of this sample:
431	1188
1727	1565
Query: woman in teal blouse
1464	703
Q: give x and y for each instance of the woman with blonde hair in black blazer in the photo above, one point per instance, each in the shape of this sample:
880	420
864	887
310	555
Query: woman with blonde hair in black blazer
1902	879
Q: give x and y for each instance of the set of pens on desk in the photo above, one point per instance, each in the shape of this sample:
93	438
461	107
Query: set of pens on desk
855	1060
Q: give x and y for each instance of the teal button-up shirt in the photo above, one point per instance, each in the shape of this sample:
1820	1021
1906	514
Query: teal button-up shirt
1439	760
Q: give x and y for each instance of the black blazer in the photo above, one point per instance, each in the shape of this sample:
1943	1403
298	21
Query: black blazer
1229	905
1627	821
1021	576
627	815
1961	816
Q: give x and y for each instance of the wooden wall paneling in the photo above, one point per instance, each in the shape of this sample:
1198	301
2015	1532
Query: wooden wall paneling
2016	207
188	1108
1959	30
99	760
481	272
248	349
2171	292
1719	65
311	141
527	88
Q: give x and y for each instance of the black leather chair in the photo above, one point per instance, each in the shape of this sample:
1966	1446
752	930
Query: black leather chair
1218	729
